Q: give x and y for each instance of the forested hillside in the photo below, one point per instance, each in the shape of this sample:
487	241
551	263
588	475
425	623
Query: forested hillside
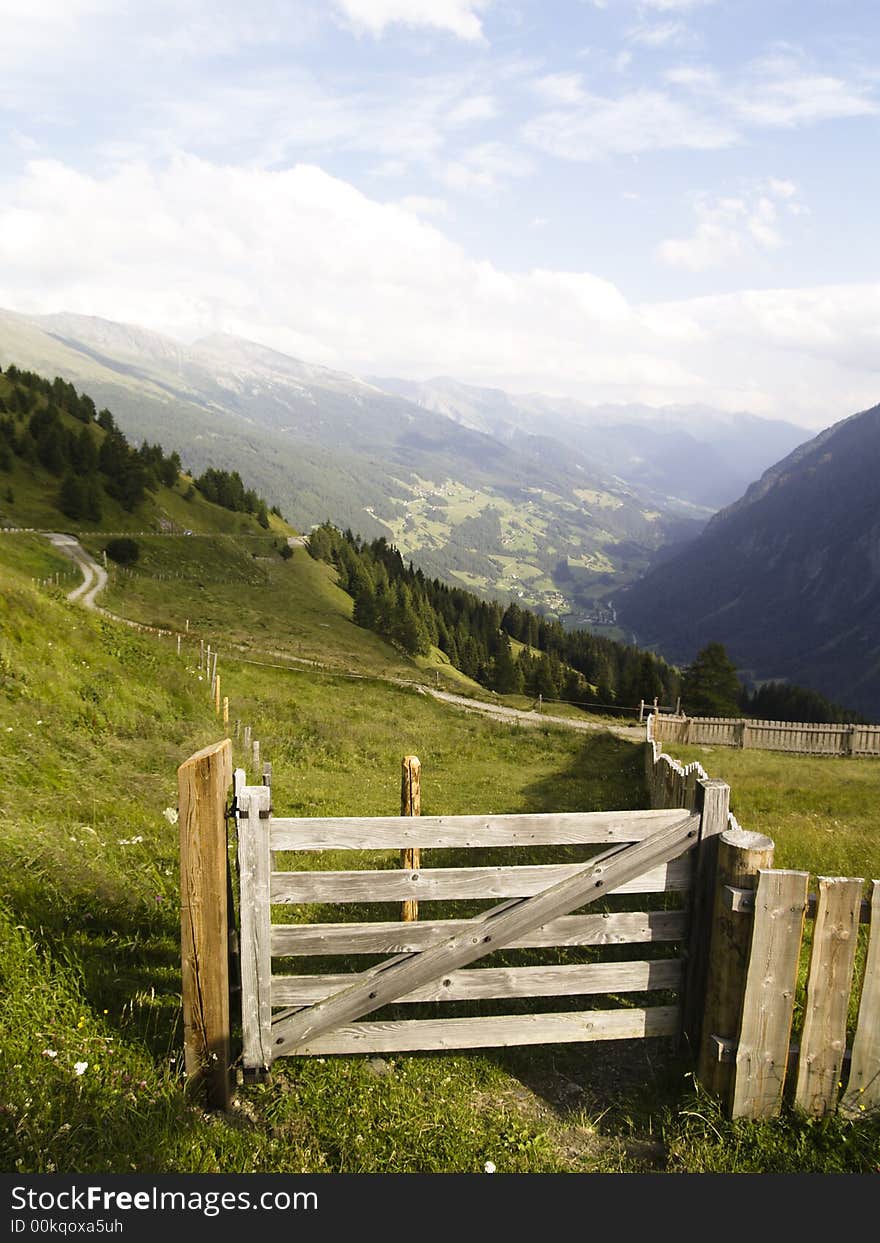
507	649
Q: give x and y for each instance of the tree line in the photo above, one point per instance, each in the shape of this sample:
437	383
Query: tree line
507	649
91	462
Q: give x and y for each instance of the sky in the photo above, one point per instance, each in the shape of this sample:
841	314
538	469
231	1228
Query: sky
656	201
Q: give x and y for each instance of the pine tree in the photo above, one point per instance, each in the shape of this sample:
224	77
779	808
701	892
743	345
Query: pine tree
710	685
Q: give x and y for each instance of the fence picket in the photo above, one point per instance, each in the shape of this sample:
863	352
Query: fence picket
823	1040
771	983
256	952
862	1093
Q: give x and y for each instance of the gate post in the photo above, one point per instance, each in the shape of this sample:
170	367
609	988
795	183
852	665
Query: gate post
410	805
740	855
203	780
254	870
712	804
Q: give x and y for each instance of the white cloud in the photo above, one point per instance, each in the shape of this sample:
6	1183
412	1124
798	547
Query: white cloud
425	205
732	228
457	17
306	263
642	120
482	168
662	34
560	88
473	108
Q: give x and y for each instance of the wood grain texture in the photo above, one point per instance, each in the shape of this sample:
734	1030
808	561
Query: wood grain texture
488	982
410	805
770	989
497	1032
255	945
823	1040
202	782
740	856
618	928
461	832
862	1095
444	884
383	984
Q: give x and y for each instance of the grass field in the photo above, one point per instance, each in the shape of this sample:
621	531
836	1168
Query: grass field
95	719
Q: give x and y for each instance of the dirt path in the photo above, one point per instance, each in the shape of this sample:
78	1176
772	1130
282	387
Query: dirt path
95	580
94	575
635	733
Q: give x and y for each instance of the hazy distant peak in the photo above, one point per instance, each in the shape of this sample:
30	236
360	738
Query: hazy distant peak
237	353
121	340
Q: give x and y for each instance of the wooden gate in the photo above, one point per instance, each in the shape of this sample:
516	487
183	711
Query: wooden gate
319	1006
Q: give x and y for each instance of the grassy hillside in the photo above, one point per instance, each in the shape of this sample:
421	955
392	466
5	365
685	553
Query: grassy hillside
95	718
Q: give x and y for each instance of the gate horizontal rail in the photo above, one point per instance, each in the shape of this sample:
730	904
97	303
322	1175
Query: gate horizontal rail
313	1013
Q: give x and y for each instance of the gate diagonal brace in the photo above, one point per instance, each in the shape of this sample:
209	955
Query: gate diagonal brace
396	977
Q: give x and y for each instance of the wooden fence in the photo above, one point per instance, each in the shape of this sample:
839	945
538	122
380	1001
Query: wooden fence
716	937
765	1033
801	737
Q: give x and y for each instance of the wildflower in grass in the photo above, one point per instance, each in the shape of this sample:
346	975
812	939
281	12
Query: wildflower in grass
80	1068
171	815
50	1053
489	1167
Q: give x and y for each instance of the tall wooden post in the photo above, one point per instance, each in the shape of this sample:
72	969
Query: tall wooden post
217	693
202	784
740	855
225	709
712	803
410	805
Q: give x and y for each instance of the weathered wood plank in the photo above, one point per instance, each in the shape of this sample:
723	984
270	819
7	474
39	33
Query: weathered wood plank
460	832
823	1040
771	984
202	782
740	856
477	984
712	802
445	884
862	1093
396	977
410	805
497	1032
256	955
618	928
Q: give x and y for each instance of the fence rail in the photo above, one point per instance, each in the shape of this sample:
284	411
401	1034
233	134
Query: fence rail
795	736
751	1051
718	968
312	1010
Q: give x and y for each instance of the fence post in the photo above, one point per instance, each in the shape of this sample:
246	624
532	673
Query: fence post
217	694
740	855
712	803
254	869
410	805
203	780
225	709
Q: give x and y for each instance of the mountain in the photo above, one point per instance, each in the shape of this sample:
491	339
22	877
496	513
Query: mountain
697	453
529	517
549	502
788	577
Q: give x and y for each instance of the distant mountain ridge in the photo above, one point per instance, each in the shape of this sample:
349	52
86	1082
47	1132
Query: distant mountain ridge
510	497
788	577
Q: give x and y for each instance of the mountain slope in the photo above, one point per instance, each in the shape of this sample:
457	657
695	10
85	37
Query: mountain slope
788	578
702	455
527	517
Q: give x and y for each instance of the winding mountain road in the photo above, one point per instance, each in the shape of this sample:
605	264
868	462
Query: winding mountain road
94	575
95	580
